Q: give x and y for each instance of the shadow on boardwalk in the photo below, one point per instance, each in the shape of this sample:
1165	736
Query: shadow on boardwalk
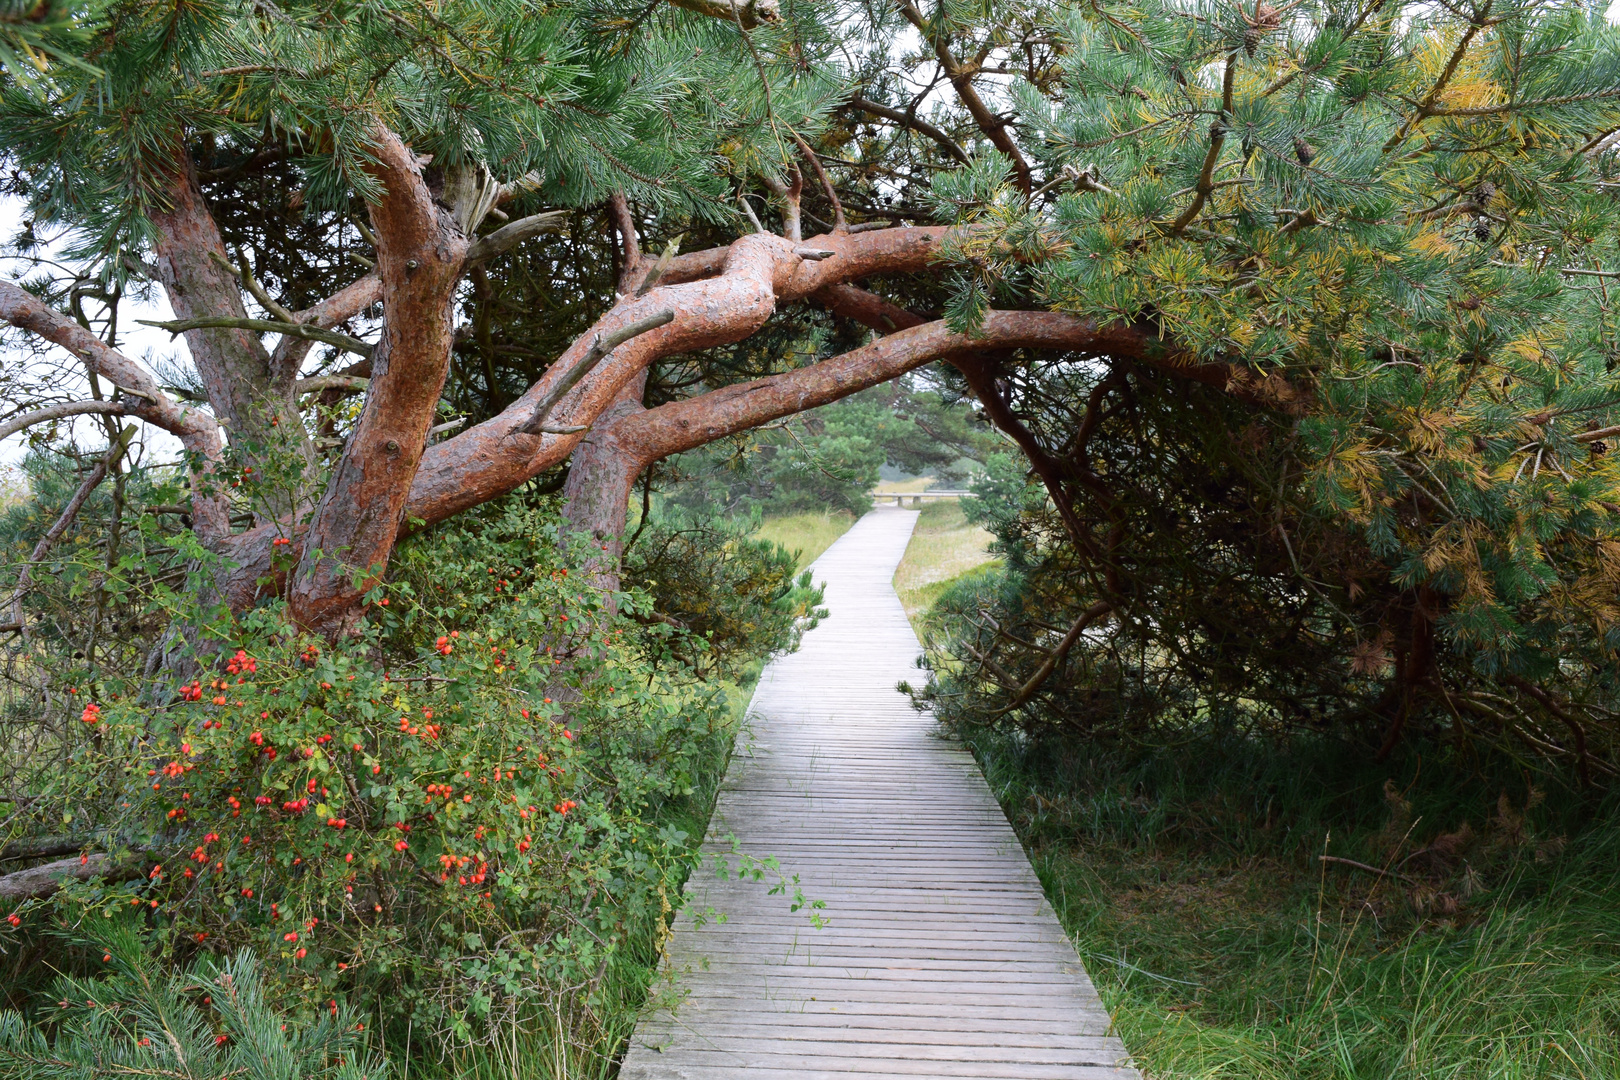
938	955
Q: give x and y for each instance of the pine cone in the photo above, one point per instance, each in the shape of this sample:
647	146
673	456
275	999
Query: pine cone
1303	150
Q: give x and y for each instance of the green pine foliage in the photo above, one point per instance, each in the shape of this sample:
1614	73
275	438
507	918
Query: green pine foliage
576	101
1392	224
217	1017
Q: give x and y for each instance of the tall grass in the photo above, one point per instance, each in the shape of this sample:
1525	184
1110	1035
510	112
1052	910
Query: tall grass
808	534
943	546
1190	880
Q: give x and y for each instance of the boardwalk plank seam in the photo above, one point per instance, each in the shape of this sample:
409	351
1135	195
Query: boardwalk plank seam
939	955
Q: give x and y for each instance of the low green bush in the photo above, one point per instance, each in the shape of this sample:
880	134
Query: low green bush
735	595
456	818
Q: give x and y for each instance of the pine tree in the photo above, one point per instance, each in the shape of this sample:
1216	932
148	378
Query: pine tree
1385	232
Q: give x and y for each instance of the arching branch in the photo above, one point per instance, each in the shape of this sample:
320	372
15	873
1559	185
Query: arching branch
59	412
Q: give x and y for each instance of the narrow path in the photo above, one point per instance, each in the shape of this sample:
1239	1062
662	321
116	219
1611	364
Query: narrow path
939	956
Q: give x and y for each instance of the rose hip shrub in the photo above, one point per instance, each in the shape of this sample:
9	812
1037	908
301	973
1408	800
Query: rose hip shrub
459	813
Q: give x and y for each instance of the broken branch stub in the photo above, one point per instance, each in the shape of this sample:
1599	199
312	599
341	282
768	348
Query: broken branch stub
604	344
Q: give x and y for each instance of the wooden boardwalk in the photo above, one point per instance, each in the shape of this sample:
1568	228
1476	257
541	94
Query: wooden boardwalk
939	957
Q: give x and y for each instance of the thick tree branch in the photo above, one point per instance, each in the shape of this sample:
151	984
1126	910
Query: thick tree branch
685	425
758	272
866	308
420	256
193	267
494	457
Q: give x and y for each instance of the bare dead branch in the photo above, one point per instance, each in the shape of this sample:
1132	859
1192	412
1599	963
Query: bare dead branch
254	288
912	121
1057	655
197	430
1364	866
747	15
38	882
509	236
1583	763
265	326
59	412
839	224
661	267
348	383
332	312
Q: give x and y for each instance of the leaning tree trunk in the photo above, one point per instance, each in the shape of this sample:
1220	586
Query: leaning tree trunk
596	497
420	253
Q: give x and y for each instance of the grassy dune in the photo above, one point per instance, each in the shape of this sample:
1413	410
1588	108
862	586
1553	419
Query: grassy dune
943	547
807	534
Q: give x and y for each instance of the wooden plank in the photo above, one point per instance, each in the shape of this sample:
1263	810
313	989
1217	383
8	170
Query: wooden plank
938	956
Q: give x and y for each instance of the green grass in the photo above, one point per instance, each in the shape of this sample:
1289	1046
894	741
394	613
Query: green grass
1189	879
806	534
943	547
904	487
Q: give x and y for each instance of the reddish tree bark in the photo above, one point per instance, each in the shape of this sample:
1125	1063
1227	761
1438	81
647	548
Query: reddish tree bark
233	363
596	495
420	253
758	272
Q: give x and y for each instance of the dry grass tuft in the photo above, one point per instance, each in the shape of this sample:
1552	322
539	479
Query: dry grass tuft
944	547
